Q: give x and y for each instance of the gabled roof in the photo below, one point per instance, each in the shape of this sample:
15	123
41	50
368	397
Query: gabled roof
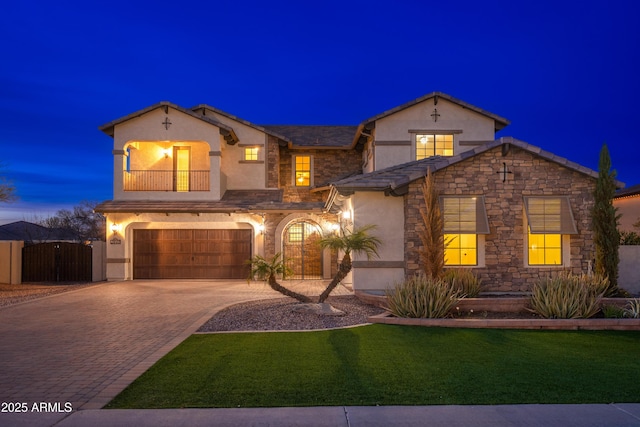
30	232
310	136
393	180
226	131
500	122
201	109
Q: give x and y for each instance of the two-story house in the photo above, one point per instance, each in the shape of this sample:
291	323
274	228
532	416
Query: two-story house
198	191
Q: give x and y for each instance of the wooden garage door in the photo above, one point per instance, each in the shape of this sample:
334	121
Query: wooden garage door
191	254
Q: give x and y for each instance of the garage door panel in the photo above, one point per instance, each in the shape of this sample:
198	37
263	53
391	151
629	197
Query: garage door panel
197	254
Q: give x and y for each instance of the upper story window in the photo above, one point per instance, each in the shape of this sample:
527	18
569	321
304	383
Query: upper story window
428	145
251	154
302	171
548	219
464	218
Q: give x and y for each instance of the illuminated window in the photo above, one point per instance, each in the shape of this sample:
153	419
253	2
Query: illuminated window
302	174
545	249
461	249
464	218
251	153
548	219
433	145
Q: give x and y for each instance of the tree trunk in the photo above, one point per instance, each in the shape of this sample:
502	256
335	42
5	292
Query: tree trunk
284	291
343	270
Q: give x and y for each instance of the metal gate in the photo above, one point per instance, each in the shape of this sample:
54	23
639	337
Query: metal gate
301	250
56	262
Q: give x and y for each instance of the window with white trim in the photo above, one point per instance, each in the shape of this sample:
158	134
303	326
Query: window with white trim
549	219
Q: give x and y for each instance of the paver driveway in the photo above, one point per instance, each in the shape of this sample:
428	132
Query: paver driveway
85	346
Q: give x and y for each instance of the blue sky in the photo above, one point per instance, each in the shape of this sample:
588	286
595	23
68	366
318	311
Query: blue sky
566	74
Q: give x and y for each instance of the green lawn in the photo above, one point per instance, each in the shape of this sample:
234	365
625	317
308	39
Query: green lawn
392	365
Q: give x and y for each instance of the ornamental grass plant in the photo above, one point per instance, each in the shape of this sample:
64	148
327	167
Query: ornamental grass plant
422	297
463	280
566	296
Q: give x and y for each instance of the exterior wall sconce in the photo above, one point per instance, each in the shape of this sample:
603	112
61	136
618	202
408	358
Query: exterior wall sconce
165	153
261	228
115	228
346	217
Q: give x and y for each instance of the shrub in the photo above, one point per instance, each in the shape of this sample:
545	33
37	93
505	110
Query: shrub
464	281
633	309
597	283
422	297
613	312
629	238
565	297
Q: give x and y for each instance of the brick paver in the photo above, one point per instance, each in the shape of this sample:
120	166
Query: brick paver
86	346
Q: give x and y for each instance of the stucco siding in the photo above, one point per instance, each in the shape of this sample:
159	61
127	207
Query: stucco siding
629	209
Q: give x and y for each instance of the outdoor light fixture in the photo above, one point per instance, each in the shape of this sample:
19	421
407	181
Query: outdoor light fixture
115	227
261	228
346	214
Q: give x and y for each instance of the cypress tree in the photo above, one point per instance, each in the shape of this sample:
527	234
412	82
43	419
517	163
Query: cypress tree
606	237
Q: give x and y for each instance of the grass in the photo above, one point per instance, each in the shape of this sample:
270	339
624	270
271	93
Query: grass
392	365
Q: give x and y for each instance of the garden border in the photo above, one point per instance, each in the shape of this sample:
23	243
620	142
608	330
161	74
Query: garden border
503	305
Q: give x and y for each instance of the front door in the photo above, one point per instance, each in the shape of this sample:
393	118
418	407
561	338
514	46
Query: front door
301	250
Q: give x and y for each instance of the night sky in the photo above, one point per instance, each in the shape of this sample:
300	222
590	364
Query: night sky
566	74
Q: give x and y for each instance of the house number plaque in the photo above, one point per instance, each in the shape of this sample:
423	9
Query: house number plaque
115	241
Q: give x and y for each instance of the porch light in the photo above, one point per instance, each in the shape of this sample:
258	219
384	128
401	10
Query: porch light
261	228
115	227
346	215
165	153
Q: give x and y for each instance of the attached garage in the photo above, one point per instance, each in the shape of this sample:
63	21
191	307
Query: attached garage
191	254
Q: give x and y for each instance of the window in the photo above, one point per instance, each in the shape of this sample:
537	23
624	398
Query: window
464	218
302	171
251	154
545	249
548	219
433	145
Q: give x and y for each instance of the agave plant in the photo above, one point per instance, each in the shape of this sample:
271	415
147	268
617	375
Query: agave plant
464	280
633	309
564	297
422	297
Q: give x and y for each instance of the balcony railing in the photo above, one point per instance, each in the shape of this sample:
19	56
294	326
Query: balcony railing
179	181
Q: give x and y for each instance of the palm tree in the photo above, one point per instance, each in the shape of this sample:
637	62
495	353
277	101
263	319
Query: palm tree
269	270
357	241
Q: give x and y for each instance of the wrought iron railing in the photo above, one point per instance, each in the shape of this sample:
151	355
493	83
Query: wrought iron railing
179	181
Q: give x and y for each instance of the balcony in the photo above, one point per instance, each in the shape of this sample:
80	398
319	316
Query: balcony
166	180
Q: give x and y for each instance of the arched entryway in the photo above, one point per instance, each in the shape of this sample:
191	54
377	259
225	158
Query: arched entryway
301	249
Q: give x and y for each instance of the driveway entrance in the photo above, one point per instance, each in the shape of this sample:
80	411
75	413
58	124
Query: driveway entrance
86	346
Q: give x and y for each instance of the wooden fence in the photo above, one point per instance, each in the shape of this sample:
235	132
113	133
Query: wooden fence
57	262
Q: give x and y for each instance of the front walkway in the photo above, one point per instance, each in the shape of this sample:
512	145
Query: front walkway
86	346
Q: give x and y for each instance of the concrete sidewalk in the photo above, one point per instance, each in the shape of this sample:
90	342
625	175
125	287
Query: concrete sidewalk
348	416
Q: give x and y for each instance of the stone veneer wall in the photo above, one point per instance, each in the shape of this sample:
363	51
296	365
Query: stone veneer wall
504	269
328	165
273	160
